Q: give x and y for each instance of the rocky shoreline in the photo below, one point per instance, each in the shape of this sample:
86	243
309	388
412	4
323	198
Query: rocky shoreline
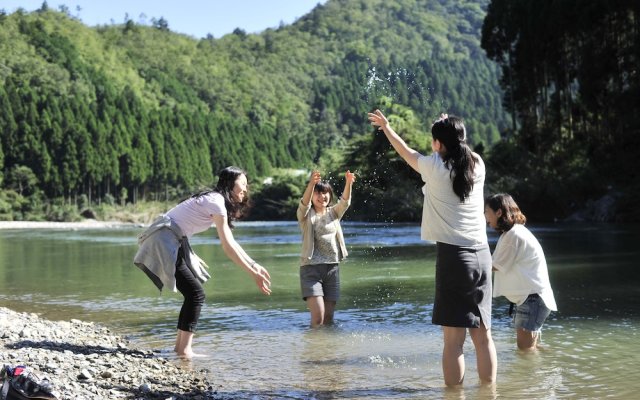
83	360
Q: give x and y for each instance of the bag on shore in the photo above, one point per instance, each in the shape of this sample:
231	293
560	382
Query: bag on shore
18	383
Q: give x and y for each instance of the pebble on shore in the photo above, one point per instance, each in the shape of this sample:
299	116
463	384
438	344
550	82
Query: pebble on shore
83	360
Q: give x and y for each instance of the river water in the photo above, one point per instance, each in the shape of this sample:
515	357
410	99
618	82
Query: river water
383	345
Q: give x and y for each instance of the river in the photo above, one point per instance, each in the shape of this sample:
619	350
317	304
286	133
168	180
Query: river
383	345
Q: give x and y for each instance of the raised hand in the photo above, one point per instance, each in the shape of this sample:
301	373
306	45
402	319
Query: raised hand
315	178
378	119
350	177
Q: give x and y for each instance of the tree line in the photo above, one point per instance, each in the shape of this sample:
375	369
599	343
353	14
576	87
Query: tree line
572	89
138	112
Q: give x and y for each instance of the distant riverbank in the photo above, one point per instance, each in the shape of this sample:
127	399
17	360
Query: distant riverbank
86	224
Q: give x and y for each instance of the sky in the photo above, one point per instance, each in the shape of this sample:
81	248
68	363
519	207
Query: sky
196	18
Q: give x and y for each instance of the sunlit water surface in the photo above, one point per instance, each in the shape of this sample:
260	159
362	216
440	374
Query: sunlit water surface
383	344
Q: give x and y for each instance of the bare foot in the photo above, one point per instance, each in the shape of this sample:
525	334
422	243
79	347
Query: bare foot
190	355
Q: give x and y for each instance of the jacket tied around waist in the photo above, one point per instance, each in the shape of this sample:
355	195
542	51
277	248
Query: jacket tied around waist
158	251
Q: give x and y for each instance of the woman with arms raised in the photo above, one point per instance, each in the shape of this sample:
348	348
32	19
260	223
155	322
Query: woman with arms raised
453	217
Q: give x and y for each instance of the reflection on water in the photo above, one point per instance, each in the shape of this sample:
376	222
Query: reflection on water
383	345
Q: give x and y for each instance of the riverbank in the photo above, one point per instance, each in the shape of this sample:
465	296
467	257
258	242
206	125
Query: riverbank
83	360
85	224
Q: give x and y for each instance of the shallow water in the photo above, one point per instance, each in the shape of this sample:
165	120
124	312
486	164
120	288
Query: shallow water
383	344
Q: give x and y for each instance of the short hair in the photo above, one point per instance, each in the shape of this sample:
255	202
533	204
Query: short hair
324	187
511	213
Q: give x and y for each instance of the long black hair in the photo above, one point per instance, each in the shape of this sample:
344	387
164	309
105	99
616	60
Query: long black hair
226	181
458	157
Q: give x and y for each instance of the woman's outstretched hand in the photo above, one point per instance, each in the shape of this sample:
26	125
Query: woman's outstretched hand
378	119
262	278
350	177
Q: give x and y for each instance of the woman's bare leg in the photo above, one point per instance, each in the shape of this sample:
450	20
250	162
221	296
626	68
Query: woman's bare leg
183	344
485	353
452	355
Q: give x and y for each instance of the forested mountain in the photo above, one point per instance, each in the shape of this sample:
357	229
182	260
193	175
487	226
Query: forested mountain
133	110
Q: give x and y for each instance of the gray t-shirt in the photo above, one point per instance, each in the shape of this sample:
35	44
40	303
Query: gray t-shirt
325	245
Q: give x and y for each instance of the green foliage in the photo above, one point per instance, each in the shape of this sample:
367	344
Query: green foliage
9	201
130	110
278	198
387	189
22	180
62	212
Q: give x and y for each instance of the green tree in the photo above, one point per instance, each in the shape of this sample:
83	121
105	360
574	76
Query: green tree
22	180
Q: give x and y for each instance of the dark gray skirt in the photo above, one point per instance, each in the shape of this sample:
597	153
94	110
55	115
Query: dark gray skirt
463	286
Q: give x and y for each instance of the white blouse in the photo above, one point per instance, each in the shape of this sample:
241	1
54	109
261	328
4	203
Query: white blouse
195	215
521	268
444	218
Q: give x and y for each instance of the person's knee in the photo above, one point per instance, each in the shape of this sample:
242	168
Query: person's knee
198	297
482	341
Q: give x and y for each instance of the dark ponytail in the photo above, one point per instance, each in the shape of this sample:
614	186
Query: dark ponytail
458	157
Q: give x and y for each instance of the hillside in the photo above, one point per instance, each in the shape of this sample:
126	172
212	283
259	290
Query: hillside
138	111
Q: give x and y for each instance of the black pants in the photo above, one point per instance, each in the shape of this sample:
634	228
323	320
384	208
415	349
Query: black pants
193	293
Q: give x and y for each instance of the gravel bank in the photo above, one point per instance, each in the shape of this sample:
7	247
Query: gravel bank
84	360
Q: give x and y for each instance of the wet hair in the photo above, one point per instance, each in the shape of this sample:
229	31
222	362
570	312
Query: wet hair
458	157
226	182
511	213
324	187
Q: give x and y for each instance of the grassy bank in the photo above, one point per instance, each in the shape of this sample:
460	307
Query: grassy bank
15	207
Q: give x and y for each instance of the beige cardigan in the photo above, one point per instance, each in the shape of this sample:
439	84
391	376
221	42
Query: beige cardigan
307	216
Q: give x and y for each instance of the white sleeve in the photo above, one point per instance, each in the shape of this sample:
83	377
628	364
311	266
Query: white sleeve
505	253
426	165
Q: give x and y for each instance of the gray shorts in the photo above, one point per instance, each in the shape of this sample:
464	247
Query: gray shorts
320	280
531	314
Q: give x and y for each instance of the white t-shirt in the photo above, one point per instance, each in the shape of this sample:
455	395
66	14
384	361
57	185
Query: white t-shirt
444	218
194	215
521	268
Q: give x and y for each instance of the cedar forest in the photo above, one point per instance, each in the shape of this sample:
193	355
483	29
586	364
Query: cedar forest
133	112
